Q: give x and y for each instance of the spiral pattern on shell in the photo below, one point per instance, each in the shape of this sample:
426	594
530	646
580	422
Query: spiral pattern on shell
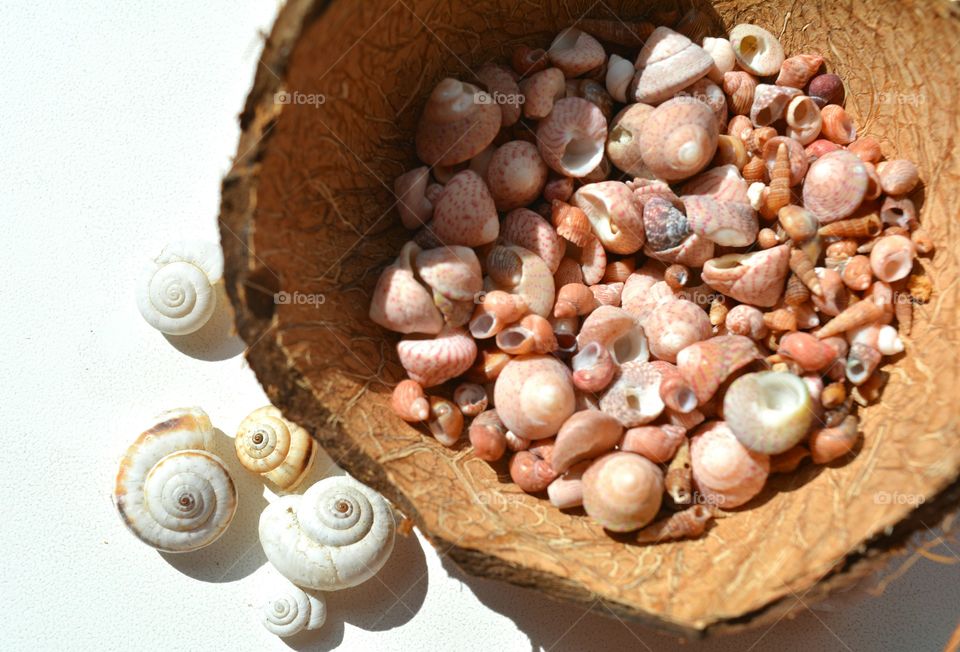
170	491
278	449
338	534
679	138
292	610
176	293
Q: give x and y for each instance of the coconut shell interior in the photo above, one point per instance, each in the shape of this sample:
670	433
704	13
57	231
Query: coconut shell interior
308	208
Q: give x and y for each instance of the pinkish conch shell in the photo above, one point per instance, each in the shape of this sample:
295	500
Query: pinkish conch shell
770	412
455	126
757	51
835	186
409	402
519	271
593	368
770	103
531	469
572	137
452	271
668	62
675	325
755	278
798	70
575	52
705	365
584	436
516	175
540	91
436	360
679	138
808	351
488	436
622	491
534	395
615	218
656	443
634	397
727	223
620	73
725	472
623	141
527	229
891	258
400	303
412	203
618	331
723	183
504	91
465	214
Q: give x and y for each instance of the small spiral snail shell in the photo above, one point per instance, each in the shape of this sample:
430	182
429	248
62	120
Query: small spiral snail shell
336	535
290	610
279	450
170	491
679	138
176	293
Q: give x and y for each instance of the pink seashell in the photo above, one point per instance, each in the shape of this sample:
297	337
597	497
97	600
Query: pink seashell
803	120
445	422
481	161
593	262
635	297
616	220
567	491
434	361
634	397
770	103
829	444
488	436
531	469
705	365
819	148
516	443
646	189
679	139
593	368
833	298
694	251
725	472
656	443
533	334
641	304
455	126
568	272
739	87
412	204
675	325
728	224
607	294
452	271
558	189
798	70
521	272
809	352
721	52
620	73
465	214
623	141
526	229
796	153
668	63
565	330
836	125
400	303
711	95
689	523
898	177
756	278
584	436
516	175
534	396
409	402
471	398
747	321
572	138
686	420
540	91
503	90
574	300
857	273
854	316
676	392
618	331
892	257
873	182
757	50
723	183
575	52
622	491
665	226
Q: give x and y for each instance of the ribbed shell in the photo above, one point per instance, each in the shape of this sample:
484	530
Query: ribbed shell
434	361
835	186
454	127
668	63
572	138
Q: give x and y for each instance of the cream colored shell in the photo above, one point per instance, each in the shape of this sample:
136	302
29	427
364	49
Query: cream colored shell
176	293
280	450
290	610
171	492
338	534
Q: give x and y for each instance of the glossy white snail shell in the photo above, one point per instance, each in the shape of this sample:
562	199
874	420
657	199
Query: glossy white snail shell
278	449
170	491
338	534
290	610
176	293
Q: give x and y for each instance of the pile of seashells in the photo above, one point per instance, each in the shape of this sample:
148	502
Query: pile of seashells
682	296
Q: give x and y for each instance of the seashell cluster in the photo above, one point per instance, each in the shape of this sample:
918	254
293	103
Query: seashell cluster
685	282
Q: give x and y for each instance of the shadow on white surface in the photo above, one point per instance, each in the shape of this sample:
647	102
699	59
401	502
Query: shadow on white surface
217	339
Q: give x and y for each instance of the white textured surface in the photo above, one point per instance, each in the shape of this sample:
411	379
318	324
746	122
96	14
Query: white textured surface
118	121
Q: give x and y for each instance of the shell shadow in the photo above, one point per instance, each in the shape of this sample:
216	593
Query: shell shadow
237	553
217	339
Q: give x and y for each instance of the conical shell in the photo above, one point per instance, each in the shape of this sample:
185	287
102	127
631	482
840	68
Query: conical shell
409	402
705	365
465	214
454	126
622	491
730	224
860	313
769	412
755	278
575	52
802	266
668	63
797	70
739	87
665	226
866	226
526	229
434	361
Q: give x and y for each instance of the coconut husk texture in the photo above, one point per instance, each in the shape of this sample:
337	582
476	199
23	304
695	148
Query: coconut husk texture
308	208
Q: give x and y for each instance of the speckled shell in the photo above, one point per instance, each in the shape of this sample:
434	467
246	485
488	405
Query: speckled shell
540	91
516	175
747	321
725	472
673	326
770	412
770	103
667	63
623	141
572	138
835	186
727	223
455	126
465	214
452	271
723	183
694	251
755	278
504	90
634	397
336	535
757	50
797	70
412	204
705	365
584	436
529	277
526	229
534	395
898	177
679	139
665	226
575	52
593	261
278	449
434	361
615	218
400	302
622	491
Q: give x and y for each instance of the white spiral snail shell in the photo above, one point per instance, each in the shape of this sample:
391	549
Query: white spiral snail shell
274	447
170	491
176	292
290	610
338	534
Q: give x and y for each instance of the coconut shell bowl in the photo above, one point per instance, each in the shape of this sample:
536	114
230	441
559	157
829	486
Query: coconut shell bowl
308	221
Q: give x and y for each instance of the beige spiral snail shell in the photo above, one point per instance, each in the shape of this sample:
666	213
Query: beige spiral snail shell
176	293
278	449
